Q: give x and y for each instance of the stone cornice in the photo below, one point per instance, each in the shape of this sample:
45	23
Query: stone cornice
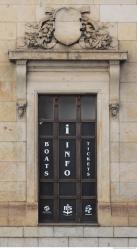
79	55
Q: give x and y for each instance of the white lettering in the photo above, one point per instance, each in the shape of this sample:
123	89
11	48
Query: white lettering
46	144
46	165
46	159
67	172
46	173
46	151
67	154
67	163
67	145
67	128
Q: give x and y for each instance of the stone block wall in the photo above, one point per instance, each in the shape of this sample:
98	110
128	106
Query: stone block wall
120	16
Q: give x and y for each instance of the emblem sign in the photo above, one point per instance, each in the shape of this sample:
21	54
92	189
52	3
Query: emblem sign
46	210
88	210
67	210
67	26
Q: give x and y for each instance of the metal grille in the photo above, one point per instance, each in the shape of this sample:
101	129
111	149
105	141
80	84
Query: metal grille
67	159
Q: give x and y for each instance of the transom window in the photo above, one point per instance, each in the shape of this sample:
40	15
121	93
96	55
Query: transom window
67	158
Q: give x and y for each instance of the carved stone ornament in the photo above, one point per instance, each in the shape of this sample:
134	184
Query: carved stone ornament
114	108
67	26
21	108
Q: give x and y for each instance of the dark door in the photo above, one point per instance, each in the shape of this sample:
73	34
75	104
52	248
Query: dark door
67	158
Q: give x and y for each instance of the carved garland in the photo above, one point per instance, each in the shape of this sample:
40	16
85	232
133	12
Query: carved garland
93	36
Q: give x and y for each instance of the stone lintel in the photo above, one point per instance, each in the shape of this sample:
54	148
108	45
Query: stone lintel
101	55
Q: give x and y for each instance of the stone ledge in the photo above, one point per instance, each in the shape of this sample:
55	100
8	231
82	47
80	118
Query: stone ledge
89	55
68	231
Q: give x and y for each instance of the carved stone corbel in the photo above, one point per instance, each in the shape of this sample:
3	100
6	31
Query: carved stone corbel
21	108
114	108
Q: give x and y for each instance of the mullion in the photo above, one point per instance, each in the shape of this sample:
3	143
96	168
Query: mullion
56	161
78	171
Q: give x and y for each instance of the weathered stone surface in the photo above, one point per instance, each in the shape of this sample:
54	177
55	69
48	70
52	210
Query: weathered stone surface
121	221
118	2
128	172
119	209
125	232
128	72
31	214
22	242
11	232
68	231
114	152
17	213
128	152
114	172
53	242
12	170
127	31
118	13
128	92
132	242
128	132
113	242
128	191
12	191
98	232
8	31
83	242
128	112
4	214
7	111
131	46
38	231
12	131
16	151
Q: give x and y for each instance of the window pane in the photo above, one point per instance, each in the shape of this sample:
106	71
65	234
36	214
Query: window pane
46	210
45	129
67	108
88	107
88	129
45	107
46	188
67	188
89	189
67	210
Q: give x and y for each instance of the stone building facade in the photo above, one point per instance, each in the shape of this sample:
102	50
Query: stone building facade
105	66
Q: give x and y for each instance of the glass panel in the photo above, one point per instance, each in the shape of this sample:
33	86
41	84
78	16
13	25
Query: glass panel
46	158
45	107
67	188
88	158
46	188
67	129
88	129
89	189
88	107
45	129
67	158
46	210
67	108
67	210
89	210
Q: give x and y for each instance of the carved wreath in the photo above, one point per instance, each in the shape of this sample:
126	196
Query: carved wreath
41	35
